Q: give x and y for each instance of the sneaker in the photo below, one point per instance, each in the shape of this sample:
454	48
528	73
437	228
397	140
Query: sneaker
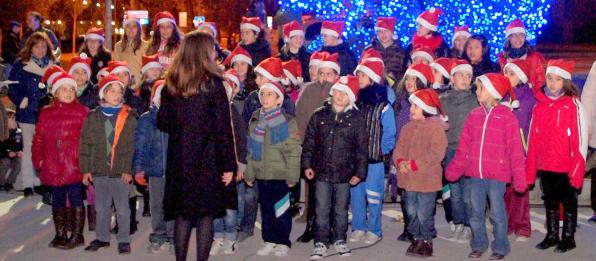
522	239
591	220
229	247
28	192
266	249
216	246
357	235
456	232
171	248
342	249
371	238
155	247
243	236
96	245
452	226
319	252
123	248
281	250
465	235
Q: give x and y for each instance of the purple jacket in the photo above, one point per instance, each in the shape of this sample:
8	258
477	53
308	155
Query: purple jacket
402	116
525	96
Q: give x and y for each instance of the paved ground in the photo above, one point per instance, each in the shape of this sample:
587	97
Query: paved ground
26	228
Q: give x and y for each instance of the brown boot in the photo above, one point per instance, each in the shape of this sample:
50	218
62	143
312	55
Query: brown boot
59	216
427	249
91	217
414	249
76	238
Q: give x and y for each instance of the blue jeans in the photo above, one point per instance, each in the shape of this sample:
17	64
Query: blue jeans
461	207
226	227
74	193
371	192
329	196
241	188
481	189
421	214
251	205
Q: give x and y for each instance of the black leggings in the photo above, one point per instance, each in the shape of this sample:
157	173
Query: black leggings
182	231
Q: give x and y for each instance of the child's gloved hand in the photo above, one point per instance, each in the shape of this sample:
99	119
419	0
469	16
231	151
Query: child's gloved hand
140	178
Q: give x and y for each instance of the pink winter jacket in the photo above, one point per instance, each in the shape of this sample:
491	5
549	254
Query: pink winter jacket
490	147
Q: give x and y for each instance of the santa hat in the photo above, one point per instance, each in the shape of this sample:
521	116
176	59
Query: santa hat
430	18
131	19
373	69
80	62
371	54
442	65
461	31
292	29
423	52
231	76
115	67
95	33
330	61
103	72
516	26
332	28
316	58
150	62
498	86
238	54
62	79
349	85
251	23
422	72
293	73
560	67
50	74
270	68
521	68
211	25
386	23
163	17
156	91
428	100
461	66
274	86
107	81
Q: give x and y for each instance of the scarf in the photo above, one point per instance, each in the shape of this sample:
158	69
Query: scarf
81	89
43	62
433	42
552	95
277	125
516	53
109	110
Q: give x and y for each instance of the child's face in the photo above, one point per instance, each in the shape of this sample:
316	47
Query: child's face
554	82
241	68
166	30
327	75
512	76
93	45
462	81
422	31
312	71
363	80
438	76
411	84
153	74
385	37
416	113
329	40
131	30
339	99
517	40
260	80
114	94
248	36
419	60
482	94
12	121
80	76
296	41
269	99
66	93
459	42
124	77
474	51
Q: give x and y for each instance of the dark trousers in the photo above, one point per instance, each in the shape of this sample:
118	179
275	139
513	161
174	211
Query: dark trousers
332	203
421	214
74	193
274	200
556	189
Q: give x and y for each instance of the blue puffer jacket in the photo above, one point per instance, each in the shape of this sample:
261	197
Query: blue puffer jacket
28	74
151	146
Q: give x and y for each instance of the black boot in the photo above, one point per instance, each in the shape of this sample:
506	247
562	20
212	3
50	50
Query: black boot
569	224
132	203
552	226
59	216
146	204
77	216
91	217
309	232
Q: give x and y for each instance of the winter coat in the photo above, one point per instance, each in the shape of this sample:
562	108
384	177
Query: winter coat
490	148
483	67
14	143
138	101
380	121
151	146
347	59
313	96
252	104
423	142
200	150
259	50
558	139
457	105
26	94
11	46
537	74
303	56
589	101
280	161
93	157
99	61
335	145
134	59
240	136
55	149
393	58
525	96
90	96
402	114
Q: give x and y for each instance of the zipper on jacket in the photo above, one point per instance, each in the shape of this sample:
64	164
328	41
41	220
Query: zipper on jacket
482	143
558	115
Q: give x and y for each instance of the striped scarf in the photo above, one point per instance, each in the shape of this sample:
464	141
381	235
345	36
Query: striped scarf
277	125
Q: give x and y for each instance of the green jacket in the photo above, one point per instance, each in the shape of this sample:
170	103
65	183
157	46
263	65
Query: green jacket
92	157
280	161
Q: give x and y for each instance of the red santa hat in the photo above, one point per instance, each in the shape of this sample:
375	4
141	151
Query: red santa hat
560	67
95	33
103	72
423	52
442	65
292	72
131	19
231	76
332	28
107	81
156	91
330	61
49	75
428	100
238	54
430	18
292	29
60	80
386	23
349	85
516	26
80	62
251	23
316	58
150	62
270	68
371	54
460	65
422	72
461	31
211	25
274	86
115	67
521	68
373	69
498	86
163	17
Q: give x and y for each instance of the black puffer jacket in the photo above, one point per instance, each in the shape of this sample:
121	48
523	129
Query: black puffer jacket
259	50
393	57
303	56
347	59
99	61
335	145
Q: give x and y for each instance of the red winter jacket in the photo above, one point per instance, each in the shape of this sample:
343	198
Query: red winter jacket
490	147
537	74
558	139
56	143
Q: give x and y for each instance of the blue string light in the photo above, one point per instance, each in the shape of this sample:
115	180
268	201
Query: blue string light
487	17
